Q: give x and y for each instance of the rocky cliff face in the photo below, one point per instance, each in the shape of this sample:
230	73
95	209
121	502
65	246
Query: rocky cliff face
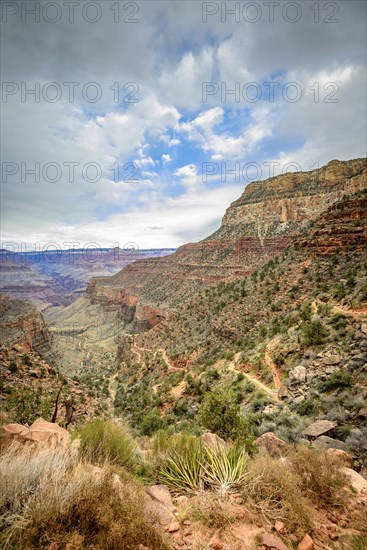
342	227
255	228
22	327
280	205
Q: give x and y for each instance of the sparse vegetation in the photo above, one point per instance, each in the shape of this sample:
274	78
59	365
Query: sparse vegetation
105	441
276	493
51	496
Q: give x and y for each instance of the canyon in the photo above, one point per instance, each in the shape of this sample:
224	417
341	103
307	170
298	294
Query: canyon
55	277
217	304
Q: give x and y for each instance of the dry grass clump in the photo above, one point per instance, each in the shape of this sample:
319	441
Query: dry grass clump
23	469
51	496
320	477
102	440
275	491
211	511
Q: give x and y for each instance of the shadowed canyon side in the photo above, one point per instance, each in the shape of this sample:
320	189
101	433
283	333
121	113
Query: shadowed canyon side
22	326
254	229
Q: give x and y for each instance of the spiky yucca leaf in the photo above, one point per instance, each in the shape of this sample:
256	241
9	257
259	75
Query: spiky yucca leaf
182	468
225	467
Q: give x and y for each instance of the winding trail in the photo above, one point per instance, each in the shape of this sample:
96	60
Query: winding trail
270	363
232	365
358	312
166	359
137	349
236	367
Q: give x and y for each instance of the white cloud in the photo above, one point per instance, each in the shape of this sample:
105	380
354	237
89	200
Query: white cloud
182	84
189	175
174	53
163	220
224	145
166	158
170	141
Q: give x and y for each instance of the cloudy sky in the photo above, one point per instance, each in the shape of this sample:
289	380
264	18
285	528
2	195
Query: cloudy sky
148	118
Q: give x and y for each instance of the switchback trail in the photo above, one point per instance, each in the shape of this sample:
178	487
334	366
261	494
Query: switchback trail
137	350
235	366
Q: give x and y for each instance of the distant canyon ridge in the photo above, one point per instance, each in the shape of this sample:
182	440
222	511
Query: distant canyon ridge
58	277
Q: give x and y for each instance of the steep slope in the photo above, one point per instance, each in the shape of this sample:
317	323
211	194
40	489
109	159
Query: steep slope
291	340
29	383
255	228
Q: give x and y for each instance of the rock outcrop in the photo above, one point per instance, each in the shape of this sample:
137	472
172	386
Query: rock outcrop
269	444
22	326
40	431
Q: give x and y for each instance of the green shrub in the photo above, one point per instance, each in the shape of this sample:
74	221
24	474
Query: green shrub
220	413
12	367
275	492
225	467
102	441
26	359
319	475
26	403
50	496
305	408
313	333
151	422
338	379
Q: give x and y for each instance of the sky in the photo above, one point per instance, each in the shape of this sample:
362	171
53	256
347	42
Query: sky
140	122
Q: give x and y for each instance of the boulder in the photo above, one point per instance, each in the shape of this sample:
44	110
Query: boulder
299	399
270	444
332	360
279	526
341	457
13	431
211	440
298	374
40	431
272	541
320	427
362	413
358	482
283	392
43	431
326	442
306	543
364	328
158	500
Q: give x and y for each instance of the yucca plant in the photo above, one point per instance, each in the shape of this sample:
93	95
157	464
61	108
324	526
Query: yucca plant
181	470
225	467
